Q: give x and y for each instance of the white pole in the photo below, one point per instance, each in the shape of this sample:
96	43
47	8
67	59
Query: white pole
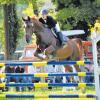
96	68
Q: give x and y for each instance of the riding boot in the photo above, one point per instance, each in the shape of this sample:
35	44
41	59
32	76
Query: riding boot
60	36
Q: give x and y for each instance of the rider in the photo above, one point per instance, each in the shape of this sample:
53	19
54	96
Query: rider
49	22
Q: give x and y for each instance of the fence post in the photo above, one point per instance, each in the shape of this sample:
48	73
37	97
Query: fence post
96	67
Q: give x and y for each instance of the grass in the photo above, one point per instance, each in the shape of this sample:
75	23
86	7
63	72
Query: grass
47	92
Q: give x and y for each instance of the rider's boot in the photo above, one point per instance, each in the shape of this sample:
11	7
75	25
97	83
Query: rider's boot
60	36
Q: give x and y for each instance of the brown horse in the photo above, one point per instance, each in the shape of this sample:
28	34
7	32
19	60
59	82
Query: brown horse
47	42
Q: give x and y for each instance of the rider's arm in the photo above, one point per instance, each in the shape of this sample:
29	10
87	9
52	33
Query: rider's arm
41	20
55	25
52	21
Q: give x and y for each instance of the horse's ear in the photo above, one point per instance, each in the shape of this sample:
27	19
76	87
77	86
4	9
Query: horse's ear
23	19
28	18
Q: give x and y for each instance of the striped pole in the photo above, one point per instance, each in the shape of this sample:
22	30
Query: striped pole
90	57
37	85
44	63
46	74
47	96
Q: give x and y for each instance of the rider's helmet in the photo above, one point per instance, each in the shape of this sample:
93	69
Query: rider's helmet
44	12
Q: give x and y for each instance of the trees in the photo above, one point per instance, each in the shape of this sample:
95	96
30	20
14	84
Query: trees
2	40
78	14
11	29
11	25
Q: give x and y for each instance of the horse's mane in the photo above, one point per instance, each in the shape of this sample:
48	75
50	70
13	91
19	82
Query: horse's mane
38	25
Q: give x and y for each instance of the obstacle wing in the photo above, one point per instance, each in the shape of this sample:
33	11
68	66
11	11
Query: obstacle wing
73	32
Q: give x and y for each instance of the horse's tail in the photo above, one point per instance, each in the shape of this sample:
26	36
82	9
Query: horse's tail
79	41
80	46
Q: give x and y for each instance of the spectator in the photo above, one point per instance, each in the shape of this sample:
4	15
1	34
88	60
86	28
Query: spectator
9	69
20	79
36	13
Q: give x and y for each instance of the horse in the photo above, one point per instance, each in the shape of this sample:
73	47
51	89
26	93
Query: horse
47	43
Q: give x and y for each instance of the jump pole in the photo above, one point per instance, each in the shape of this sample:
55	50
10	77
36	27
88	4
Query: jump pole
96	67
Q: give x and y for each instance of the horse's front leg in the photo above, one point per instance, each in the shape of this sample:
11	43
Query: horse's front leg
49	51
37	52
40	54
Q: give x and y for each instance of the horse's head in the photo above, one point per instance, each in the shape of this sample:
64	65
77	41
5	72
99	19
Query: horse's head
29	28
32	25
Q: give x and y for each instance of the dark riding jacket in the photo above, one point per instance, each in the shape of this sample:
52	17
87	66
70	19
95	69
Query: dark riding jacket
50	22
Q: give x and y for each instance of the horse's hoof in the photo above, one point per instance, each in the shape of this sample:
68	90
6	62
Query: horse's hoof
46	58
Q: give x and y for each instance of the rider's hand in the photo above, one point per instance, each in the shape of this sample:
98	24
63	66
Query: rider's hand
46	26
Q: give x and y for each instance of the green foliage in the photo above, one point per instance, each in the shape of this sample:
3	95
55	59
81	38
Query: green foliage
11	29
13	1
64	14
15	17
2	40
40	3
2	2
84	9
34	3
22	4
75	14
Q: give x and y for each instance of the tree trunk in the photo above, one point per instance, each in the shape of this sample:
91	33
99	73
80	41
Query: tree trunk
11	30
